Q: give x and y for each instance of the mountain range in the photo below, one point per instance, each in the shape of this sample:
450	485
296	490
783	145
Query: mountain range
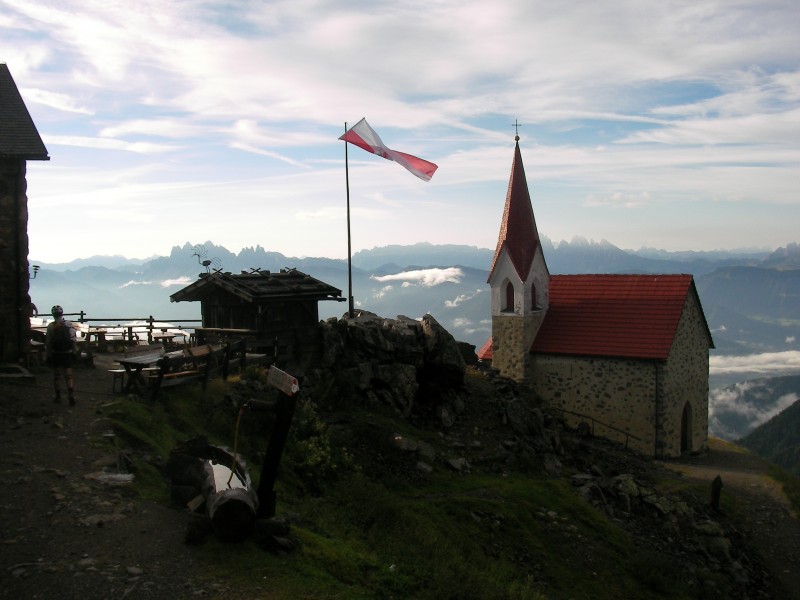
751	300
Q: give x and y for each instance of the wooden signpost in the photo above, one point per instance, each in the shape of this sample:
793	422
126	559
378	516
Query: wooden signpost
289	387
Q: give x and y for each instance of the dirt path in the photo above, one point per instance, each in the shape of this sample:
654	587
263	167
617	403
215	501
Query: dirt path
66	534
773	529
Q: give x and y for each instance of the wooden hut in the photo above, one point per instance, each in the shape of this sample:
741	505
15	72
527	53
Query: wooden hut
276	313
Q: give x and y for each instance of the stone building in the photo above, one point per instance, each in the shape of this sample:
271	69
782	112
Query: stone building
624	355
19	143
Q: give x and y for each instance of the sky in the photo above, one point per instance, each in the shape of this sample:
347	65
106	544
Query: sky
664	124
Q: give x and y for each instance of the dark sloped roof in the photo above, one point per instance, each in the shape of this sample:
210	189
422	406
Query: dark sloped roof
18	135
518	233
634	316
260	286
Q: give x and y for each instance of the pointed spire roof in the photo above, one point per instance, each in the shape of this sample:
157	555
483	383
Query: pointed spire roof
518	233
18	135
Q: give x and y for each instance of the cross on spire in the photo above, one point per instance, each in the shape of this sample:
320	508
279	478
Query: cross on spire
516	125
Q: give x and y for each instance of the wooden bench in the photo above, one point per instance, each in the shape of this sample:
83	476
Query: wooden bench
197	363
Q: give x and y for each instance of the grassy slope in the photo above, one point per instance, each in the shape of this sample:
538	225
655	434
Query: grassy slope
368	529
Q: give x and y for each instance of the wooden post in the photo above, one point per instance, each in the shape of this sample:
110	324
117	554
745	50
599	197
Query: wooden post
277	441
716	492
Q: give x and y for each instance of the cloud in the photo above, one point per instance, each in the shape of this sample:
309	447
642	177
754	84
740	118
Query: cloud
179	281
183	280
383	291
109	144
424	277
461	298
170	128
668	107
618	200
736	410
55	100
768	363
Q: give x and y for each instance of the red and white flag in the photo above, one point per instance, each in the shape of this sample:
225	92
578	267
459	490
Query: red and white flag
364	136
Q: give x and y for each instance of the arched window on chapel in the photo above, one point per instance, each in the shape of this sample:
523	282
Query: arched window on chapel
509	303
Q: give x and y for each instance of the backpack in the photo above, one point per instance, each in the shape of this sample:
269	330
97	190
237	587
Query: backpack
62	340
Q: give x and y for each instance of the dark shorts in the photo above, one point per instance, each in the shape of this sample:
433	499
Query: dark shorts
62	359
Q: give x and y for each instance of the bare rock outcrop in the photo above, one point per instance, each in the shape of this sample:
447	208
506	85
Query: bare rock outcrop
402	362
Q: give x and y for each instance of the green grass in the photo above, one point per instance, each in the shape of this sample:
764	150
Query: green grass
790	483
445	537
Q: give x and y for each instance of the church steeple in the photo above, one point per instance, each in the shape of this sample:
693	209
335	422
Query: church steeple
518	233
518	278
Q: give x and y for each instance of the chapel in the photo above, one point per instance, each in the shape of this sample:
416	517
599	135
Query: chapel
624	356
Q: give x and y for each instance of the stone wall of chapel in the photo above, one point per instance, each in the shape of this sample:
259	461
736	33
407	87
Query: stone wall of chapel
14	298
685	379
512	337
606	392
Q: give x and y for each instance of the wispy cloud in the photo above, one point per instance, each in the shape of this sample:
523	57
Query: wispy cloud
666	108
461	298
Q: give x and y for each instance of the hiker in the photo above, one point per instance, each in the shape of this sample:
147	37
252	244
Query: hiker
61	347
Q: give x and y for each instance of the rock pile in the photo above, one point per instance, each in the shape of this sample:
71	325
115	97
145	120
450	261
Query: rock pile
689	534
400	362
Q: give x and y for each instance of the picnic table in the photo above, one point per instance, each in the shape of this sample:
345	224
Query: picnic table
164	338
134	365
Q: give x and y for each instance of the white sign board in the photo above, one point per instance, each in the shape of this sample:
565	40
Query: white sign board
283	381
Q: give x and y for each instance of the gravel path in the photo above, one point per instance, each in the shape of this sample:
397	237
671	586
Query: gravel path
64	532
773	529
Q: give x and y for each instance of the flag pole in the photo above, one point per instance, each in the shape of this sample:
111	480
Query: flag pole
349	255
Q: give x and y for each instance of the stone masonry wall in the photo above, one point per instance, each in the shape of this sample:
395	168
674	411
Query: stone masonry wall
512	336
614	392
685	380
14	298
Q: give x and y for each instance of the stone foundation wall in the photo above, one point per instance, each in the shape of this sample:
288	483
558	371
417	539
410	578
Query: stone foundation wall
616	397
14	298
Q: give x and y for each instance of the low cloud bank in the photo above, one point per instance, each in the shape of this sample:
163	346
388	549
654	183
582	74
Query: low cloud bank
164	283
769	363
735	411
424	277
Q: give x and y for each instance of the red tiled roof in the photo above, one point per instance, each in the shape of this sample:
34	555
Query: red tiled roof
633	316
518	232
18	135
487	350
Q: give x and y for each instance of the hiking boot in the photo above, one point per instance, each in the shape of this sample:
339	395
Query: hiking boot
71	400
